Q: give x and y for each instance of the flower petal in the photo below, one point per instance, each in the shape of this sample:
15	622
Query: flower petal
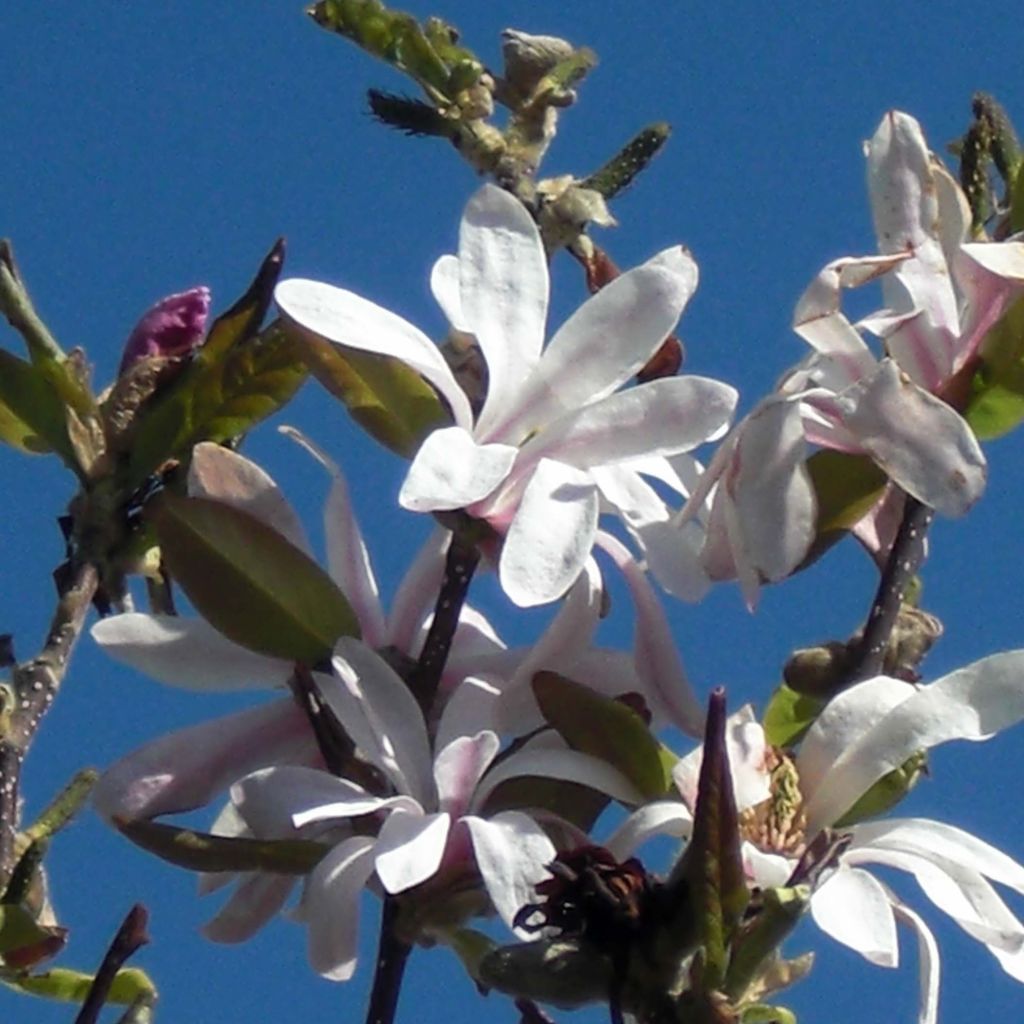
451	471
503	288
350	320
187	653
459	767
551	535
660	818
444	283
928	964
972	703
410	848
854	909
330	905
512	853
258	897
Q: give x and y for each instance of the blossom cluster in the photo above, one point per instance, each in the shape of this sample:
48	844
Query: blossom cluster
461	798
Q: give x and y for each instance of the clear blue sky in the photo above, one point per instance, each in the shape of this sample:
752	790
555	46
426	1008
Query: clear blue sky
145	150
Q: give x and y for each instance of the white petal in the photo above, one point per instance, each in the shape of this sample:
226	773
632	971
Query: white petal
459	767
219	473
551	536
854	909
187	653
417	592
928	964
409	849
347	319
186	769
444	283
972	703
472	706
348	561
451	471
257	899
512	853
503	287
660	818
376	707
330	904
604	343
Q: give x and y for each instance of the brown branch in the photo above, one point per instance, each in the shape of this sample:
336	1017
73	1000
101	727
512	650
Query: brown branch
392	956
130	936
34	687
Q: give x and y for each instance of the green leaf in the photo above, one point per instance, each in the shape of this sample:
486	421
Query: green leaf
32	415
578	804
390	401
996	404
789	715
888	791
604	728
23	941
65	985
761	1013
226	388
201	851
710	872
250	583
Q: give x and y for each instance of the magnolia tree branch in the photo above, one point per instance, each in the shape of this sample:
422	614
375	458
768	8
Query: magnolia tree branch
392	956
129	938
34	685
901	567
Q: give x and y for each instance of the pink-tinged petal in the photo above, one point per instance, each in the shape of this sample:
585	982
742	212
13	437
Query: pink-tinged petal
768	870
381	715
187	653
745	743
957	891
444	283
972	703
172	328
925	353
925	837
928	963
348	560
459	767
673	557
257	899
989	286
844	720
1004	259
475	640
660	818
330	904
954	211
347	319
471	707
186	769
663	417
854	909
604	343
409	849
273	802
512	853
923	444
568	765
452	471
417	592
551	535
503	288
656	656
219	473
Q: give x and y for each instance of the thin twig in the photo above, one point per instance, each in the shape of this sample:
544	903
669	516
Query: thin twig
460	563
392	956
531	1013
34	686
130	936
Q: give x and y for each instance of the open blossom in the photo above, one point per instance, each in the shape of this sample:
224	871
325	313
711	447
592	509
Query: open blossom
430	825
529	463
862	735
942	293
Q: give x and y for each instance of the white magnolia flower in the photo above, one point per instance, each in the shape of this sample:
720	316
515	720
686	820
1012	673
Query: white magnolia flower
863	734
553	416
432	825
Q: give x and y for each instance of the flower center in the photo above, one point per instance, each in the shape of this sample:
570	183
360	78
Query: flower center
777	825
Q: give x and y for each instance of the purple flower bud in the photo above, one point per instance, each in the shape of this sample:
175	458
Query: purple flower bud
173	327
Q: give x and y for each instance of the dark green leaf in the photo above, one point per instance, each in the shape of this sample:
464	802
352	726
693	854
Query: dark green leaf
201	851
249	582
789	715
390	401
577	804
65	985
606	729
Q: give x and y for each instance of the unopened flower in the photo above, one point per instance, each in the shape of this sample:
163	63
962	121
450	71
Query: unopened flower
552	418
172	328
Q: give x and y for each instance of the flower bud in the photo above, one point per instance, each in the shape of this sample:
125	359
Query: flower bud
174	327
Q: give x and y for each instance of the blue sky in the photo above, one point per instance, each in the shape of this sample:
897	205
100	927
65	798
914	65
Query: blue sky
146	150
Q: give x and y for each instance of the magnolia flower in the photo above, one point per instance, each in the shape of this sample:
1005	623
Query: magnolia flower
862	735
431	827
527	464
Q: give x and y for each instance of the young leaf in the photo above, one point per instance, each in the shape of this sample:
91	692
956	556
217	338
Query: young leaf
65	985
789	715
391	402
23	941
605	728
31	413
249	582
997	403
